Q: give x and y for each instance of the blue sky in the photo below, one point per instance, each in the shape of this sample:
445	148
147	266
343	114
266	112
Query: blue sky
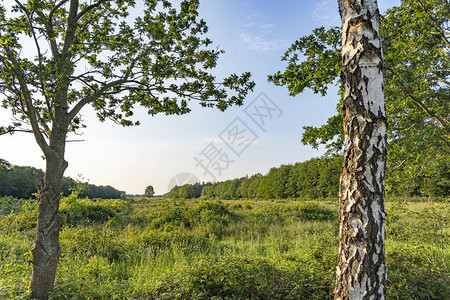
254	35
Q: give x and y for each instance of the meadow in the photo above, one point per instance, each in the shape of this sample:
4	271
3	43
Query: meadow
233	249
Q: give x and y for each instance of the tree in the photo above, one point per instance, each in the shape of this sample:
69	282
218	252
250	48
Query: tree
416	72
89	53
149	192
361	271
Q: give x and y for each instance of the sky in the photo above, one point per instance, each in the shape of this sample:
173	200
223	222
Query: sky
208	145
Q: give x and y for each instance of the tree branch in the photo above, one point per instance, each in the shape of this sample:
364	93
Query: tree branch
441	30
25	93
71	26
50	32
89	8
53	10
12	130
443	80
418	102
76	109
41	79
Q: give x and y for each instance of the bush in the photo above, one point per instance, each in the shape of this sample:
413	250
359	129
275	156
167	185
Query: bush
173	215
315	212
301	212
24	221
79	211
10	204
239	278
210	210
202	213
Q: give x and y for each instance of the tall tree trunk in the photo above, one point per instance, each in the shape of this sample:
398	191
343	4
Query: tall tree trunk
361	270
46	249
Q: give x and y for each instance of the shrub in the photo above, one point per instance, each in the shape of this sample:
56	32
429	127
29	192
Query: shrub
302	212
236	206
315	212
200	214
247	206
210	211
79	211
10	204
239	278
23	221
173	215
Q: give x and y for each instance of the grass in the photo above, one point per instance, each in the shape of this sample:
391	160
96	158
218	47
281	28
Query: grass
134	249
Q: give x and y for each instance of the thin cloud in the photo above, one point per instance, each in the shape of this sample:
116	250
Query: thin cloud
260	44
326	12
258	34
264	28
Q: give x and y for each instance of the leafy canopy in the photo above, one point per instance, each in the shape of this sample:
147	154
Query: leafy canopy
149	191
58	56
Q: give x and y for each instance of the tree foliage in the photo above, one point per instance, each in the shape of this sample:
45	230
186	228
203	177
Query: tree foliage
417	87
187	191
19	182
149	191
87	53
315	178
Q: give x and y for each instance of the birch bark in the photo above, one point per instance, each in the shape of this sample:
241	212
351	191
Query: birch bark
361	270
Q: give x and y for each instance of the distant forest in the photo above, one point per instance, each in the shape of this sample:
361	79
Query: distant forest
315	178
19	182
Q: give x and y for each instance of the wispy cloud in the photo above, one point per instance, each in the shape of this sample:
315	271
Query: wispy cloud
255	23
326	12
257	34
260	44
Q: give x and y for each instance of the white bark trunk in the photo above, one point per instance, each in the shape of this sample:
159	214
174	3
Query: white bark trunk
361	271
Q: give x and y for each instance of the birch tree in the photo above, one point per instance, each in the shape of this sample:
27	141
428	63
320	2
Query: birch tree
361	270
417	88
93	53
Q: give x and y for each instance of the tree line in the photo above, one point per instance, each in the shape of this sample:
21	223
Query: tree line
314	178
20	182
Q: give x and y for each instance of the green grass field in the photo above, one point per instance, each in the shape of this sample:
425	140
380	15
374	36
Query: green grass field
161	249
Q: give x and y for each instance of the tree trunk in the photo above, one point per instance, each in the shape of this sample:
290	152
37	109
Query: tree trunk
46	249
361	270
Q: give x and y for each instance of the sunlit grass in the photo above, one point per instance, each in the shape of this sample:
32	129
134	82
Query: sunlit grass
226	248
